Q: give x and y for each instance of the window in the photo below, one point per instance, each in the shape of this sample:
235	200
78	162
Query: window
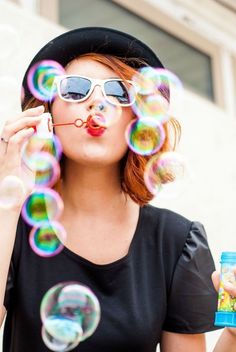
192	66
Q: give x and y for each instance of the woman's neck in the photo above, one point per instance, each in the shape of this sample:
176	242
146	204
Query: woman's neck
92	189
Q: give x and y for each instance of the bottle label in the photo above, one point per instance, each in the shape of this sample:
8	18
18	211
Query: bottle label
226	302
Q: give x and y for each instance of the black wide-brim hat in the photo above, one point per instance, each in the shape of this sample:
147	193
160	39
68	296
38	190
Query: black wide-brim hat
71	44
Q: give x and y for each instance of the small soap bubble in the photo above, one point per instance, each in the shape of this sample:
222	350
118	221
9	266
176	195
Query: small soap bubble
9	42
70	313
145	81
145	137
104	114
46	168
151	106
166	175
12	192
171	86
48	239
61	334
41	79
43	205
157	93
36	144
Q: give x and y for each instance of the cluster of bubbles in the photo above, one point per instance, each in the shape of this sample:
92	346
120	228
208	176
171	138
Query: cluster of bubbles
70	313
44	206
157	98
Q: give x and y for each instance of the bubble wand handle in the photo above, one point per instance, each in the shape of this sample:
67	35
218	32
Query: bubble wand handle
78	123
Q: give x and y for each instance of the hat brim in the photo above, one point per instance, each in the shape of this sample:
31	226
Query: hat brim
70	45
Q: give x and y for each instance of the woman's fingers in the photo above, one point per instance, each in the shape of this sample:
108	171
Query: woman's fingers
216	279
228	286
28	118
16	142
33	111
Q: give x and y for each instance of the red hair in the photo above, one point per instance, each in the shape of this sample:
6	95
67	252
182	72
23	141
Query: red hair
132	165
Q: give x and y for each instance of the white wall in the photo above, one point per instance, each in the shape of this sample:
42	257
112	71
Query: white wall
208	140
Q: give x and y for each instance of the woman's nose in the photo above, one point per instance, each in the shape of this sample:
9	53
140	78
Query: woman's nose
95	97
97	105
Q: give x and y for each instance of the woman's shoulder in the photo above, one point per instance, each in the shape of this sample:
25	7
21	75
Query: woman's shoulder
171	230
167	218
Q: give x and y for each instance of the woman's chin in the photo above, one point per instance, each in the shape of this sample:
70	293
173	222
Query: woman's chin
95	155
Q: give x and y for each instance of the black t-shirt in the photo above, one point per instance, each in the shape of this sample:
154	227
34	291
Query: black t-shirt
163	283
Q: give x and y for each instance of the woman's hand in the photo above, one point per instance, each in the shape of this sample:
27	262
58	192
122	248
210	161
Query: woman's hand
14	134
230	288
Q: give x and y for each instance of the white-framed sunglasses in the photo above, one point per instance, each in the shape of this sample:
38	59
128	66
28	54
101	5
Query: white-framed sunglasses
76	89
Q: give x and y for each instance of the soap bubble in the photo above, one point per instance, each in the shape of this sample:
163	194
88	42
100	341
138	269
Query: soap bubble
48	239
41	79
36	144
146	81
12	192
158	94
166	174
46	168
145	137
104	114
70	313
61	334
171	84
153	106
43	205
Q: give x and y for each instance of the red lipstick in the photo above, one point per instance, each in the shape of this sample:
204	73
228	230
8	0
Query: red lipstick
95	128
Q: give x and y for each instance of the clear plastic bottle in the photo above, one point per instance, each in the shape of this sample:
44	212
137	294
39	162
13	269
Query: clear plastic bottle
226	311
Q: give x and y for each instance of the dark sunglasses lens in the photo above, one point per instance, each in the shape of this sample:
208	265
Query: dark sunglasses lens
75	88
117	92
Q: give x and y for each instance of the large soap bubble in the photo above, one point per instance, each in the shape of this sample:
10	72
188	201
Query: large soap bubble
70	313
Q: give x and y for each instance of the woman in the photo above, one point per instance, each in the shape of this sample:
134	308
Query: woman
150	268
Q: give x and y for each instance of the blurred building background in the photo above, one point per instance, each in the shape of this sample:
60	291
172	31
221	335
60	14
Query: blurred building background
194	39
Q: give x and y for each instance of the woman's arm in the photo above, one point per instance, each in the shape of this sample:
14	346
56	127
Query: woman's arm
173	342
226	342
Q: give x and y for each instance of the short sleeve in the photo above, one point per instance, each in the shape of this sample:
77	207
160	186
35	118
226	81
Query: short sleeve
12	273
192	300
9	286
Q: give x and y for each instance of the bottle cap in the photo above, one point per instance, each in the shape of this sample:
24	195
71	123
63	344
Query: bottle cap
228	257
225	319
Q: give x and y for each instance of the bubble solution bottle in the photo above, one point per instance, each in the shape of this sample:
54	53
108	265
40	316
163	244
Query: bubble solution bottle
226	311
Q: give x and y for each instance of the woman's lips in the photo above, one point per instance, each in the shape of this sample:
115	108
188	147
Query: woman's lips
93	128
96	132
